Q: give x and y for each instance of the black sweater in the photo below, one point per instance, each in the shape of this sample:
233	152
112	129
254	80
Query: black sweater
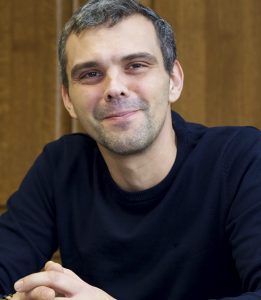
196	235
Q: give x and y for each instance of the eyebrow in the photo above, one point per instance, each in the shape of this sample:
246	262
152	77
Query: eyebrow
78	67
141	55
94	64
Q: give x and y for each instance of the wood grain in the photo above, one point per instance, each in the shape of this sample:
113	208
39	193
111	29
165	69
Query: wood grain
28	87
218	46
233	56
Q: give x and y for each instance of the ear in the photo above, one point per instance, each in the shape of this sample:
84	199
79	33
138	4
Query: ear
67	102
176	82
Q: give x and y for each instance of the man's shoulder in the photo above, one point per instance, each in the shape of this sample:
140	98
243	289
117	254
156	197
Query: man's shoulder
229	132
73	140
223	134
218	139
237	135
232	143
70	148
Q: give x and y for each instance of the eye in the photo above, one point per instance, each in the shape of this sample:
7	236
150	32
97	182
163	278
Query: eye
89	77
136	66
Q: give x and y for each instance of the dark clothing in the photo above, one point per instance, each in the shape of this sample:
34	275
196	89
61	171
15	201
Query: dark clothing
196	235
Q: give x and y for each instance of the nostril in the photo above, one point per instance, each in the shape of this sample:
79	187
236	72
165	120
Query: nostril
109	97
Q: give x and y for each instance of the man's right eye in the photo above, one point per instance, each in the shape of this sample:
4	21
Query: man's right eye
89	75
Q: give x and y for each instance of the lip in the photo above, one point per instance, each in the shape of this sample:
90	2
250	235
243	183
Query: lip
121	115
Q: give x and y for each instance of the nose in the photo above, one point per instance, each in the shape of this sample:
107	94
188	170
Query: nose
116	87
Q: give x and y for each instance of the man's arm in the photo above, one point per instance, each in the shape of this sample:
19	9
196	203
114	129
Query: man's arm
27	228
243	220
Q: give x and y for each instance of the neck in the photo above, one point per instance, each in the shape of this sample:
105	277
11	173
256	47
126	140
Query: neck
144	170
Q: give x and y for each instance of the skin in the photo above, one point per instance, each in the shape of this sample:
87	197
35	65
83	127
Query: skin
121	94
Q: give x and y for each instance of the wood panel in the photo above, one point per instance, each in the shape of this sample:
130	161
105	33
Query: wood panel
218	45
30	107
233	52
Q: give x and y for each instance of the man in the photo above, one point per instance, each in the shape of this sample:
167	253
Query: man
146	205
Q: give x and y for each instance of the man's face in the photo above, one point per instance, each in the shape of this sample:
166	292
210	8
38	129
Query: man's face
118	86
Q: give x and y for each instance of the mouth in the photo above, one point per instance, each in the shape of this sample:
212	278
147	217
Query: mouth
120	115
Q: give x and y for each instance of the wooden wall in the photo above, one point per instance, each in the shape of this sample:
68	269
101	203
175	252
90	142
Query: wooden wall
219	45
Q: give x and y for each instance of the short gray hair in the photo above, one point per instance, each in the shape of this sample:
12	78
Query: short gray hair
110	12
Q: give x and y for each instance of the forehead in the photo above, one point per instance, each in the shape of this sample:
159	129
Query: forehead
133	34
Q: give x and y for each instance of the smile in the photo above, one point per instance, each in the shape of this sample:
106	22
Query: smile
120	115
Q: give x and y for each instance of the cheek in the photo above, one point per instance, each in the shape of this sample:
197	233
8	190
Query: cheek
154	83
161	89
84	100
143	88
154	91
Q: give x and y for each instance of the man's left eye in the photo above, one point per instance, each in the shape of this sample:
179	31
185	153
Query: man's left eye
136	66
91	74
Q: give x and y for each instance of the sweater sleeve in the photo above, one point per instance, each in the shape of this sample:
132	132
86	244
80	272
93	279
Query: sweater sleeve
27	228
242	171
